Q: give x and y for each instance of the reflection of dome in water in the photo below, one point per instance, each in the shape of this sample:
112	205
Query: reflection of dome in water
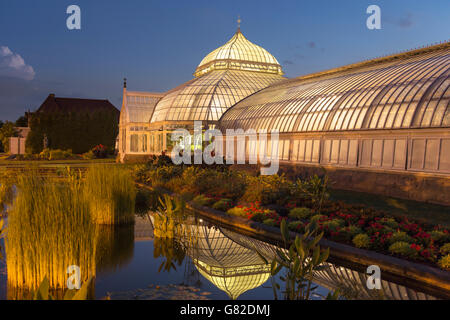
351	284
231	267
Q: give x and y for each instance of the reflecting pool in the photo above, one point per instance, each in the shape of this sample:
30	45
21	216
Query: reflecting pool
203	261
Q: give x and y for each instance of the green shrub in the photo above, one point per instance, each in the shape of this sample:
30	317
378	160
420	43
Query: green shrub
224	184
444	262
267	189
261	214
353	230
317	217
348	233
223	204
270	222
439	236
300	213
313	189
158	177
294	225
334	224
400	236
237	211
203	200
390	222
60	154
402	248
88	155
45	154
361	240
445	249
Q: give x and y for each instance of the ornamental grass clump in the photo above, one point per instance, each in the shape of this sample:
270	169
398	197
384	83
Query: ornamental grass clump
403	248
445	249
49	229
361	240
203	200
111	194
439	236
223	204
300	213
444	262
238	211
400	236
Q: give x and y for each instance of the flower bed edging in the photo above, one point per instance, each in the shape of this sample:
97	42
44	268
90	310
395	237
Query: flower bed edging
433	278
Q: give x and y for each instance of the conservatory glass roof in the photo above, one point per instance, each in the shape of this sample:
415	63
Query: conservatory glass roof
225	76
138	106
239	54
403	91
207	97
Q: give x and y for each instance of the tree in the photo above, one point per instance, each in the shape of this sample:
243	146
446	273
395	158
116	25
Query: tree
22	122
1	144
7	131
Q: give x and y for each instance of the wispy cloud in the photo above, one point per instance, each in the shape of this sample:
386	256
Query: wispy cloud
288	62
13	65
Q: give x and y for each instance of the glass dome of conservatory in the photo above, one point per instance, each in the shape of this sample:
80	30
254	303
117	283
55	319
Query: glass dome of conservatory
239	54
226	76
409	90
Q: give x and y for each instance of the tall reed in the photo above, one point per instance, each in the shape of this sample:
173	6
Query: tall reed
111	194
49	228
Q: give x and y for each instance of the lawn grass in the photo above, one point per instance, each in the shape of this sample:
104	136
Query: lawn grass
422	212
53	163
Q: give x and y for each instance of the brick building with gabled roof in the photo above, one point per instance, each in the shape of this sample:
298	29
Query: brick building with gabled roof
72	124
57	104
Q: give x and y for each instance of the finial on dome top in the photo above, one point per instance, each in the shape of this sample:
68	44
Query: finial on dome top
239	24
124	82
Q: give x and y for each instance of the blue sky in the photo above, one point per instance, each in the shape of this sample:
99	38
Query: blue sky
158	44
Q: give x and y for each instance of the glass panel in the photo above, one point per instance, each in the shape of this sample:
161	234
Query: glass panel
343	153
377	150
400	154
134	140
444	161
432	154
366	153
417	154
388	153
316	151
353	152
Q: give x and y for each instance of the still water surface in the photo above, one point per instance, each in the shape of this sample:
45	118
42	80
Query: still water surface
220	264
